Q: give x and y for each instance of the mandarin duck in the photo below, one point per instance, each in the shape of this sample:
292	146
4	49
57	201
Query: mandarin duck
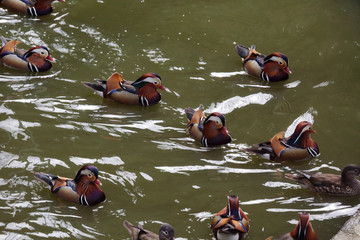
82	189
345	184
231	223
166	232
271	68
209	131
299	146
36	59
142	92
32	7
302	231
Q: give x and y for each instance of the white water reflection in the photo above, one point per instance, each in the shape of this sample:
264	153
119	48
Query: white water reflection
227	74
253	86
17	128
29	76
292	84
233	103
155	55
171	145
195	168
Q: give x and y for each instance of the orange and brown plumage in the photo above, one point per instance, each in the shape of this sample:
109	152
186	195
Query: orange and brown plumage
298	146
271	68
302	231
83	189
209	131
142	92
231	222
36	59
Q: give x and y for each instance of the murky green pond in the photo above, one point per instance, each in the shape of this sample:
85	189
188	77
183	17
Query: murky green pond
151	171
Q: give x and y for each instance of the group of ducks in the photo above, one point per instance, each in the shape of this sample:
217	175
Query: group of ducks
231	222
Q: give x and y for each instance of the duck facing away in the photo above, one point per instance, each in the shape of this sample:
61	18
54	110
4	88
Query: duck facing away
166	232
345	184
142	92
33	8
36	59
271	68
83	189
302	231
209	131
299	146
231	222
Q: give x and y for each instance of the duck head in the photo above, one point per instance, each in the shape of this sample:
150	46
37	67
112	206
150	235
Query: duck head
214	125
88	174
350	172
166	232
38	51
150	80
304	230
147	85
276	67
301	136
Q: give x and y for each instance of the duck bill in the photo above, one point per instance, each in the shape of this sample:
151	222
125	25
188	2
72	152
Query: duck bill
98	182
287	69
163	88
50	58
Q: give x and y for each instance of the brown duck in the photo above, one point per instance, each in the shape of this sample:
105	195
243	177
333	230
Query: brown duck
271	68
299	146
231	222
166	232
345	184
209	131
36	59
83	189
142	92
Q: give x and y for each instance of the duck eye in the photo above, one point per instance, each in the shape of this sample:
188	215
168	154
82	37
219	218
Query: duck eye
155	83
280	63
89	175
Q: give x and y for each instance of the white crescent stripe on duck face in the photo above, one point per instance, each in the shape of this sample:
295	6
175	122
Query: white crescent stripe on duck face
86	172
214	119
307	127
277	59
153	80
42	51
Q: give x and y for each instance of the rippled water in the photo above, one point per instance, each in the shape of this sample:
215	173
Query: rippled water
151	171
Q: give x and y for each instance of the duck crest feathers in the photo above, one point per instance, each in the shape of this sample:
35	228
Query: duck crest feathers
9	46
113	82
